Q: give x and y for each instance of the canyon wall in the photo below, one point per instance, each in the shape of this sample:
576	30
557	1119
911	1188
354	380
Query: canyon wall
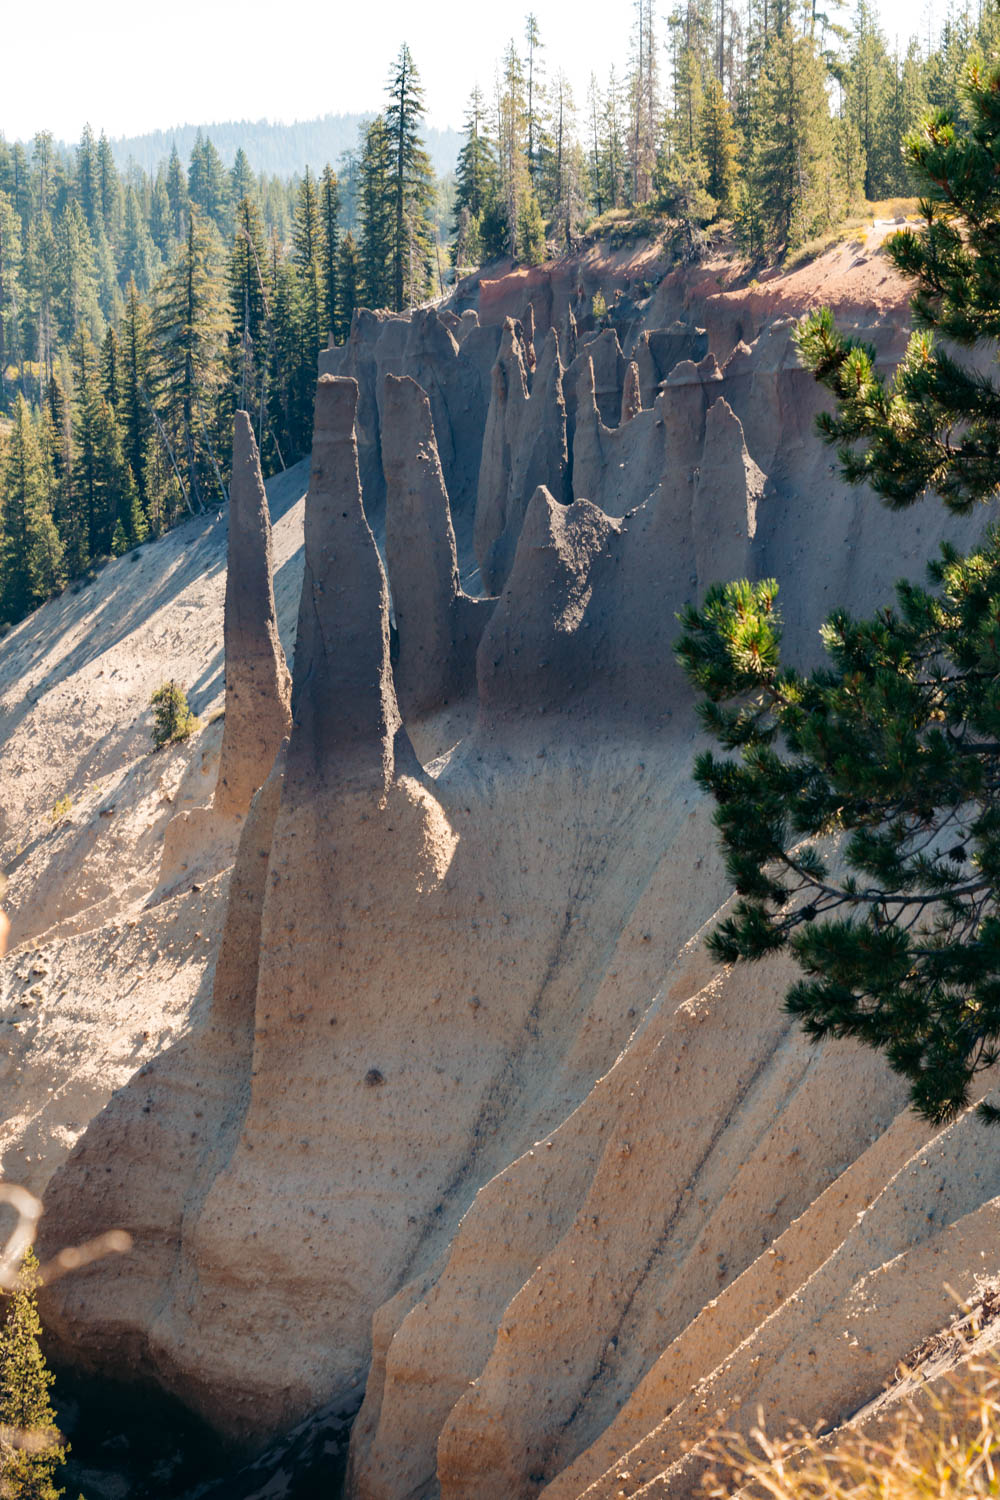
466	1134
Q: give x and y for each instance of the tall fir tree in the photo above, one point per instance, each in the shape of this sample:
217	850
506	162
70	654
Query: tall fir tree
31	554
329	255
375	216
411	182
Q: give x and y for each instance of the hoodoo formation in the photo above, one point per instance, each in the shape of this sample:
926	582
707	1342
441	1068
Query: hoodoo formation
450	1125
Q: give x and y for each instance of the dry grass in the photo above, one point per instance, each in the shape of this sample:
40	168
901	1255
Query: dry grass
943	1443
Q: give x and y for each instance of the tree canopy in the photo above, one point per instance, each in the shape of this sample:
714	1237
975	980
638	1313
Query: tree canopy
858	807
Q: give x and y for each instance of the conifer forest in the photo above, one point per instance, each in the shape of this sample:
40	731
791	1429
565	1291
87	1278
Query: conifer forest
138	310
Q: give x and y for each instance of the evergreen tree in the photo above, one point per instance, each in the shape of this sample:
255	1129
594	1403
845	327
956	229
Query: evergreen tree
177	194
75	275
87	186
140	260
190	326
307	238
207	185
534	44
512	143
10	290
476	183
109	190
134	404
374	214
31	557
161	215
110	369
894	746
795	160
717	142
27	1471
249	290
643	103
411	184
349	279
329	216
242	183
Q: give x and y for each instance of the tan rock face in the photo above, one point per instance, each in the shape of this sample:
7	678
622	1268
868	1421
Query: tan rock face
258	685
466	1123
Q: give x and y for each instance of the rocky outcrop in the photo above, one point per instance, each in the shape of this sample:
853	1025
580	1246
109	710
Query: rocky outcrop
451	359
658	350
538	650
631	396
727	493
258	686
524	446
438	625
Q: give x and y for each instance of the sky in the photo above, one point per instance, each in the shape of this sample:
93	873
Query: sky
129	67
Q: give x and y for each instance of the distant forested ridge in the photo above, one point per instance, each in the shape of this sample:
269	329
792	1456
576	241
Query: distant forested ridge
279	150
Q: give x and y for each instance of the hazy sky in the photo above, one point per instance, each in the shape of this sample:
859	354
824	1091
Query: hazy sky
129	67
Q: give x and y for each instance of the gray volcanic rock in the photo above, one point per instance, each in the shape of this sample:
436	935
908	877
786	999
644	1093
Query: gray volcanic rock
604	352
358	358
727	494
344	707
631	395
451	359
538	648
438	625
524	446
258	685
658	350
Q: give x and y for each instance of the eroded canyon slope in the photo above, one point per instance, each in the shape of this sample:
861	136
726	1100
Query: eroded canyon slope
410	1078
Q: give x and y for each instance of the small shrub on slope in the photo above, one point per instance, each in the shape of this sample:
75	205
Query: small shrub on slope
172	716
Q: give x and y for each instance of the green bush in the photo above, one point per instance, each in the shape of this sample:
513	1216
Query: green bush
172	716
31	1447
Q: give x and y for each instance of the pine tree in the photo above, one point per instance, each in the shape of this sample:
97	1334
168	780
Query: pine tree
10	289
643	103
411	184
718	146
134	402
109	190
207	185
190	326
249	291
329	216
534	92
374	214
796	152
476	183
161	215
177	194
110	369
28	1470
306	255
140	260
87	188
512	142
242	183
31	557
349	278
75	275
894	746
